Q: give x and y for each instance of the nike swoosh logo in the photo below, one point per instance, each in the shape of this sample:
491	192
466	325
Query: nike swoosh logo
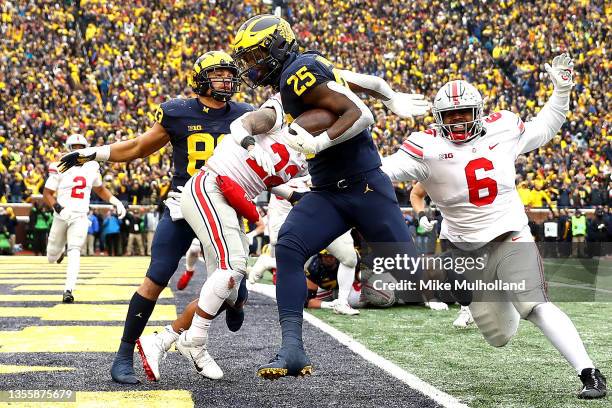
493	147
515	238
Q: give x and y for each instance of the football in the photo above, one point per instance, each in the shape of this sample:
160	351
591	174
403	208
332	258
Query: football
316	121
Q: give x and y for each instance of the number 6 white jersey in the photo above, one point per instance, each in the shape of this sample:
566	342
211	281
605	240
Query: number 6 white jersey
74	186
473	183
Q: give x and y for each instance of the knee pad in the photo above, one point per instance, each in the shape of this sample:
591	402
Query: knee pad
225	281
498	322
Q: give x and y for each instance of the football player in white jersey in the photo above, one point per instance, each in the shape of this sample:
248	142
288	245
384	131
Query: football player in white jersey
68	194
466	165
342	248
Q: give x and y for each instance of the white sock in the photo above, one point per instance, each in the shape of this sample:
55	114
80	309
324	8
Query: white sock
168	336
191	259
562	333
346	276
72	270
199	328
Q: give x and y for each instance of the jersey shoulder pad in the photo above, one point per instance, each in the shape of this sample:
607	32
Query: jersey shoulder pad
92	166
414	145
306	72
174	106
507	119
53	168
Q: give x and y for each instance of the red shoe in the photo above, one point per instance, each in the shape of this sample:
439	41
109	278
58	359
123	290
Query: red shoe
184	280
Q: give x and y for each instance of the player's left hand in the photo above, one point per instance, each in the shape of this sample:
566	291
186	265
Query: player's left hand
561	72
262	158
407	105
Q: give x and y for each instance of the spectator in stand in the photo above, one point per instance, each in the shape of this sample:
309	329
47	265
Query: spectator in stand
92	231
110	233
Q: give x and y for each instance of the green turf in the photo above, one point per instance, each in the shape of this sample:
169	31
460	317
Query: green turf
528	372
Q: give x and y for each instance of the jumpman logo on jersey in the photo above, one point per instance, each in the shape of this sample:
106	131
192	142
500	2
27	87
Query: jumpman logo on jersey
367	189
138	315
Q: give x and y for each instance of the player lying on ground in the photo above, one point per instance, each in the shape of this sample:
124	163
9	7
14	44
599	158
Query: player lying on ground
466	165
348	186
70	208
194	126
342	248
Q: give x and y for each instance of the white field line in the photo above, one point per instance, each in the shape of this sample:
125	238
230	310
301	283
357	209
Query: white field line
356	347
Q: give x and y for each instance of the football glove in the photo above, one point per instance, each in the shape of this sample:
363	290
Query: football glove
407	105
296	196
262	158
121	211
426	224
561	73
82	156
301	140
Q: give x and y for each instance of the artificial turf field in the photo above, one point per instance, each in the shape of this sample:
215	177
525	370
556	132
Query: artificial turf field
44	344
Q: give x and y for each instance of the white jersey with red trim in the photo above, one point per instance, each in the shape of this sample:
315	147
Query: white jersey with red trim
74	186
473	183
232	160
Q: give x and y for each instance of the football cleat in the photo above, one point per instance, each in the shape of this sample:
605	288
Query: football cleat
68	297
343	308
195	350
152	350
122	370
184	280
593	384
61	257
297	365
464	319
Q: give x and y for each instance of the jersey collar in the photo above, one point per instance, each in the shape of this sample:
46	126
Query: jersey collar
212	111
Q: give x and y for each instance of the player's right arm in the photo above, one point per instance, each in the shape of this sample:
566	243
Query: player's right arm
407	163
51	186
142	146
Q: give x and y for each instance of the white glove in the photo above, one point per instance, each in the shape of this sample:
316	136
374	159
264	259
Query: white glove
561	73
426	224
121	212
263	159
173	203
407	105
301	140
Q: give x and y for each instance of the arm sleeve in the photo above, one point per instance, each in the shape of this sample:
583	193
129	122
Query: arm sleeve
275	103
541	129
402	166
54	178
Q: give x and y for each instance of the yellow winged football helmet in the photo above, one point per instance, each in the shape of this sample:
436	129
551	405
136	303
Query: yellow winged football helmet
200	80
261	46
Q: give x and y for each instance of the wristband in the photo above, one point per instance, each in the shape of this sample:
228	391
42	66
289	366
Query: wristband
247	141
421	214
57	207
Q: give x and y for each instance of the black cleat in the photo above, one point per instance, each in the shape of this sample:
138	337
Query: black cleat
122	370
68	298
296	365
593	384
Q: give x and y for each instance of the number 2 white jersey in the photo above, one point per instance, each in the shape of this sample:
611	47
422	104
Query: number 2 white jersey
73	187
232	160
473	183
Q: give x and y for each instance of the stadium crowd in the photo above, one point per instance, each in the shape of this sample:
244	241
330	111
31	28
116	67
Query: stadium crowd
100	69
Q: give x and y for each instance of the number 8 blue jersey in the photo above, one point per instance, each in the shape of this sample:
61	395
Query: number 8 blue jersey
195	130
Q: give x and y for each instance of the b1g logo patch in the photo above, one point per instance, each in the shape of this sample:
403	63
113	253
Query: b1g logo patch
446	156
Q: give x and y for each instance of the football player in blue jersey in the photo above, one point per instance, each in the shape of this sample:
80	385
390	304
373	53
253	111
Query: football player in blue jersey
349	189
194	126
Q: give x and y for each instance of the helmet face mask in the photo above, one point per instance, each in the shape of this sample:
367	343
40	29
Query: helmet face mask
210	68
261	46
459	96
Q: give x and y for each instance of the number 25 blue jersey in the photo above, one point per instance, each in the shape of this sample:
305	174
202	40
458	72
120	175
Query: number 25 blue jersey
357	155
195	130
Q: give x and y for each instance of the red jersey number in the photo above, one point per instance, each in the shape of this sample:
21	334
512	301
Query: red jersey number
475	185
77	190
272	181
